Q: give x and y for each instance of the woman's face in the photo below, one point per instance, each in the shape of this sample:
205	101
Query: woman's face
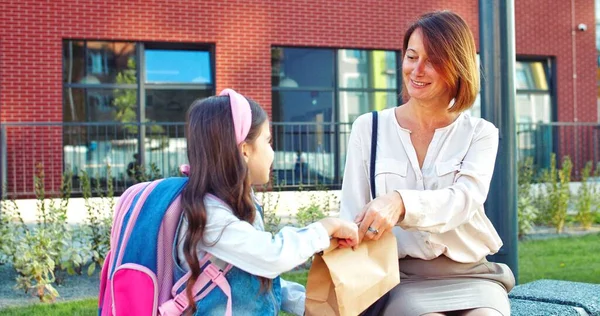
422	81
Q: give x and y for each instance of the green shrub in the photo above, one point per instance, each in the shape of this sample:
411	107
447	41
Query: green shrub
269	201
527	212
586	197
318	207
99	218
553	196
35	263
560	195
12	228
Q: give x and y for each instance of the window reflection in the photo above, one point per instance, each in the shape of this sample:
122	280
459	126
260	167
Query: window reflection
171	105
178	66
367	69
91	62
302	67
531	76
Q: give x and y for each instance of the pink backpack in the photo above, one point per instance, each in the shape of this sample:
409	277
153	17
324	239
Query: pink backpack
138	273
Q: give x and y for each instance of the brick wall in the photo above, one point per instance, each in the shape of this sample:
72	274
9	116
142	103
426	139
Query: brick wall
546	28
550	28
31	34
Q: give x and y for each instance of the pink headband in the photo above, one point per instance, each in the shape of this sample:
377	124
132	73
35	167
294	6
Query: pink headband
240	111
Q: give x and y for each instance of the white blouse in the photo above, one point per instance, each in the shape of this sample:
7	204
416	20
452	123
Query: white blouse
443	199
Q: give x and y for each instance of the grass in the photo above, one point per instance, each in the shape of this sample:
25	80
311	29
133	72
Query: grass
569	258
75	308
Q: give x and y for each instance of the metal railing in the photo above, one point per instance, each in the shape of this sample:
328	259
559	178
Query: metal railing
308	155
579	141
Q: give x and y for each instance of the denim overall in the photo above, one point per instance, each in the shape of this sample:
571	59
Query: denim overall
247	296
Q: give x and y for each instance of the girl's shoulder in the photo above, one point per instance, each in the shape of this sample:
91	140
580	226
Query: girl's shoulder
212	202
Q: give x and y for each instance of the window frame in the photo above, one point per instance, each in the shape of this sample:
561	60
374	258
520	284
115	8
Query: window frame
141	86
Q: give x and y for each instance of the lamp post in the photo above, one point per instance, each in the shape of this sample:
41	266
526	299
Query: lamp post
497	49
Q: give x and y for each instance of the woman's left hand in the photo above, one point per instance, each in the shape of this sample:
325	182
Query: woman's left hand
380	215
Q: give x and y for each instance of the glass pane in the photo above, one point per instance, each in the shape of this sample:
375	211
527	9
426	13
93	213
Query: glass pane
533	108
99	105
171	105
99	62
303	137
369	69
95	141
302	106
353	103
302	67
531	75
178	66
165	149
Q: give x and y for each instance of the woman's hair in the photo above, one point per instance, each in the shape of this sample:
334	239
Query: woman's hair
451	49
217	167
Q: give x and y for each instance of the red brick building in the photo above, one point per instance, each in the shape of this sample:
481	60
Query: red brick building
54	66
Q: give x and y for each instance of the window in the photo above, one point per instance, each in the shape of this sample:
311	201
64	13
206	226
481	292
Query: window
316	95
534	108
124	98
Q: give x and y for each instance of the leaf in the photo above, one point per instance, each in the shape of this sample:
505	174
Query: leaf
91	269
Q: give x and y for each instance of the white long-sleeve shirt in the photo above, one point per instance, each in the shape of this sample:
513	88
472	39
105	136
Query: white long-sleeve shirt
249	248
443	200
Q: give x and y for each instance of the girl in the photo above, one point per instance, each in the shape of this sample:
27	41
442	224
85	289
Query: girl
229	151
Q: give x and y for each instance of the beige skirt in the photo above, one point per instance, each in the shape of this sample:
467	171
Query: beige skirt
443	285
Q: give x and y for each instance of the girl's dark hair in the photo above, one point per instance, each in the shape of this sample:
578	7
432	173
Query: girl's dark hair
216	167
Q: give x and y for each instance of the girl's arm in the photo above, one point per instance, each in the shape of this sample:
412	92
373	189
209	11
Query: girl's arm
259	252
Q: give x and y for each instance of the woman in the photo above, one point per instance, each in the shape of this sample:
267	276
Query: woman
432	175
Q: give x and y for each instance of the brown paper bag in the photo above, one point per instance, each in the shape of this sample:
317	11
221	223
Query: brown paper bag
345	282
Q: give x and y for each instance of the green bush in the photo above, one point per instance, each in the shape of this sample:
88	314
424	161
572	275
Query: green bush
52	247
269	202
98	221
317	208
554	195
561	194
527	212
36	263
586	198
12	228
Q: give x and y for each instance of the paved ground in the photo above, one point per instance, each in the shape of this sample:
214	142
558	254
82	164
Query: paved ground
74	287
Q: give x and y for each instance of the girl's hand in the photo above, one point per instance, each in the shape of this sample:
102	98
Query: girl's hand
345	231
380	215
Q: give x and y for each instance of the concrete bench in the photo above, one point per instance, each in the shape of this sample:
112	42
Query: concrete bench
534	308
552	297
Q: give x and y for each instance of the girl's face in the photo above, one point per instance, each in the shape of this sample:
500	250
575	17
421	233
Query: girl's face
259	156
422	81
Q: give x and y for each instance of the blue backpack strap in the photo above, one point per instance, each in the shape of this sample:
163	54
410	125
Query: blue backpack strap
146	229
373	154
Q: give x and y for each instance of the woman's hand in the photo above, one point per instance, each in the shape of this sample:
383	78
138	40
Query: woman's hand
345	231
380	215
